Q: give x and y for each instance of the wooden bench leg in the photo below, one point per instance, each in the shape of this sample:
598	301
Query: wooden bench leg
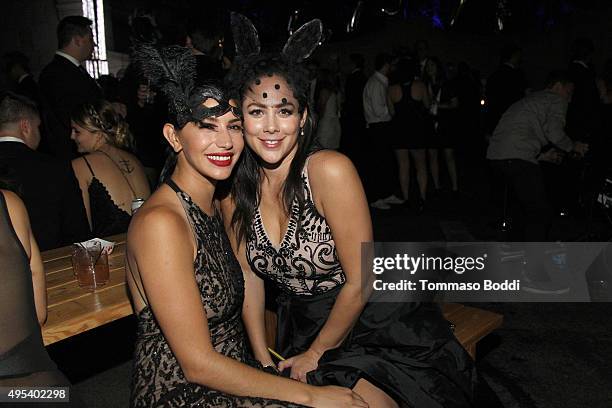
471	349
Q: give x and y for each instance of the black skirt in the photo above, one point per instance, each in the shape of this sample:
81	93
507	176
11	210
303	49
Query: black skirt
406	349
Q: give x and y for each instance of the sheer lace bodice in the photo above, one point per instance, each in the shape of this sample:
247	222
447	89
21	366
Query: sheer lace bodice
158	378
305	262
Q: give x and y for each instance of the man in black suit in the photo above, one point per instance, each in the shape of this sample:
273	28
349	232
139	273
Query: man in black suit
47	186
65	84
505	86
17	70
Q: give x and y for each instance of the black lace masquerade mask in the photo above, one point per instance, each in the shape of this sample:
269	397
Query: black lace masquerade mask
172	70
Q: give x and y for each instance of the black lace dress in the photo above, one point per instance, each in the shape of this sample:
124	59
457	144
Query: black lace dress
405	349
158	380
107	218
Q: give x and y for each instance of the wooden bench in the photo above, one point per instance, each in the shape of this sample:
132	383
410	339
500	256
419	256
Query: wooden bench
72	310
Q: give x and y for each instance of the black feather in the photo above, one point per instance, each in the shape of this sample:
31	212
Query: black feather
172	70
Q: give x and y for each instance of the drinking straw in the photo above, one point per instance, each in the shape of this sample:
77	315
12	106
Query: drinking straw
99	254
275	354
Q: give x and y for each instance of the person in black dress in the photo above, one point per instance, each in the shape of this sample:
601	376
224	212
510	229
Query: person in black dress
186	284
110	177
24	361
444	110
297	218
412	125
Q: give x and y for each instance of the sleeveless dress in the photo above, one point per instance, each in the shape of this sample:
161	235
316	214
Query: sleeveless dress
405	349
107	218
412	122
23	358
158	380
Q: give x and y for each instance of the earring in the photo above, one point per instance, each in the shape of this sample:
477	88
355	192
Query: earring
302	131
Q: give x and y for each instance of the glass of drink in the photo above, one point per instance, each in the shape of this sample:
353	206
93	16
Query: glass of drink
90	265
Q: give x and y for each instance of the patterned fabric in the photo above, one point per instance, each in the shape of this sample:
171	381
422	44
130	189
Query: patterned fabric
158	379
305	262
406	349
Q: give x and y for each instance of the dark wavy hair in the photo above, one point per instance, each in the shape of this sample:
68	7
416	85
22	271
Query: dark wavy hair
245	187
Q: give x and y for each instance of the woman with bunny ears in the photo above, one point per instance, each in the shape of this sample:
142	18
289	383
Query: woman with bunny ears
297	217
186	285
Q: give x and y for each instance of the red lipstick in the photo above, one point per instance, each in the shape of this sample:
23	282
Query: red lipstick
220	159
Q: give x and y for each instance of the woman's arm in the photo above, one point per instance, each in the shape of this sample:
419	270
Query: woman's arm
21	224
339	195
81	172
157	242
38	281
395	93
253	308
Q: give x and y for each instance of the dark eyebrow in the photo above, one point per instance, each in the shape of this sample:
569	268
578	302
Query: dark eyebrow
280	105
235	120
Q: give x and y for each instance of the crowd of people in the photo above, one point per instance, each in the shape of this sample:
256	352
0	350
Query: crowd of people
253	189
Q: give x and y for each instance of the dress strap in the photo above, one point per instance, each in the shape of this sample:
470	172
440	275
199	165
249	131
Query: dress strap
173	185
89	166
186	203
140	292
120	171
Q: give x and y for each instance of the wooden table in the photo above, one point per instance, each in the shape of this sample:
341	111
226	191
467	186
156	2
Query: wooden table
72	310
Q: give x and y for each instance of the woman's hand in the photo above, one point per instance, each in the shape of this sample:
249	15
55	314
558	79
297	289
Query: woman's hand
301	364
336	397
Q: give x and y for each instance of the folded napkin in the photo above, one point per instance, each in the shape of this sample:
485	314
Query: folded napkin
107	246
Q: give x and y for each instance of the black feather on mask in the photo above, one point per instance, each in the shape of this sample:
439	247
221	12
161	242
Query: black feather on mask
173	71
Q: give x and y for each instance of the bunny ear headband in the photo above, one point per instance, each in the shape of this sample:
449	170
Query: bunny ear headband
172	69
298	47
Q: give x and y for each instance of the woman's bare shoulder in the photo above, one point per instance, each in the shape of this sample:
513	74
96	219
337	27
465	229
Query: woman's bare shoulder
14	204
328	163
159	215
18	215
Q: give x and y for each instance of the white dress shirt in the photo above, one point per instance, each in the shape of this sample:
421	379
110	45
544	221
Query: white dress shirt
11	139
69	58
375	108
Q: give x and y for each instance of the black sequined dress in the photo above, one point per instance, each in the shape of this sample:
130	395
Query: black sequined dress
158	380
405	349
